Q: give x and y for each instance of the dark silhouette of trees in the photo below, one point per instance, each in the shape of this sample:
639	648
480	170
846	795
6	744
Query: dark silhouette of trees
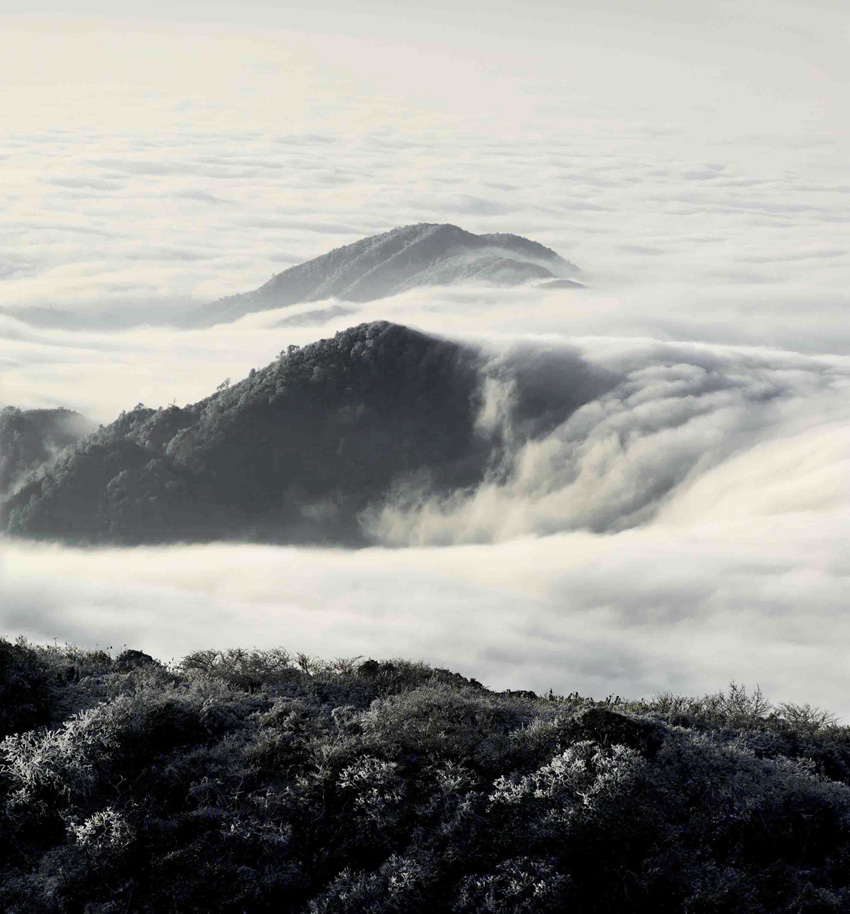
292	453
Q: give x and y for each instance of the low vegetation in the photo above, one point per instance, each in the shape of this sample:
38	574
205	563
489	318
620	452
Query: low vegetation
260	781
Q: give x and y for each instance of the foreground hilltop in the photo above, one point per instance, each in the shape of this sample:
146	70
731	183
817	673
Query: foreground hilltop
297	451
426	254
251	782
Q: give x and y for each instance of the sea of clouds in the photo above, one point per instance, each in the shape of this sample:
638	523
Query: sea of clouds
686	526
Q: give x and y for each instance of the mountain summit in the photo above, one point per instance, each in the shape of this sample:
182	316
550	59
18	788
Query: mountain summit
293	453
302	450
426	254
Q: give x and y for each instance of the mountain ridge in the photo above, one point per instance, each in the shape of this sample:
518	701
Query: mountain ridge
301	450
406	257
292	453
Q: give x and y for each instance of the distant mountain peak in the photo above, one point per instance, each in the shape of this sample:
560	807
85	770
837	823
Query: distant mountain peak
406	257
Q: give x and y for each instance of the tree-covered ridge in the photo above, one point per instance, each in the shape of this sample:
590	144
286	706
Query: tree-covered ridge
294	452
307	448
31	438
407	257
260	781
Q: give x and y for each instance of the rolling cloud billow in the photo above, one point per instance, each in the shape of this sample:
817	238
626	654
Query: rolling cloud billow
383	435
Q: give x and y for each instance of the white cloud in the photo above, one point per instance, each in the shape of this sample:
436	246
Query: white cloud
677	415
738	571
635	612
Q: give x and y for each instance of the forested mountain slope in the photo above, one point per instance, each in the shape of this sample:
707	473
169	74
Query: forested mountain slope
31	438
407	257
291	453
296	451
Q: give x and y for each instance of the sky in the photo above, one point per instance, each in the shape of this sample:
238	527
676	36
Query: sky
686	529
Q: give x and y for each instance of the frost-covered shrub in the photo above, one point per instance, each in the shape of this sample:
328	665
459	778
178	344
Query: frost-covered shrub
374	794
399	886
45	768
443	723
260	782
576	778
376	788
589	801
522	885
391	677
95	747
105	830
763	809
248	669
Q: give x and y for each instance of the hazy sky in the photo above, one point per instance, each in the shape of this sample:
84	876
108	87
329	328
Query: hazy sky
690	157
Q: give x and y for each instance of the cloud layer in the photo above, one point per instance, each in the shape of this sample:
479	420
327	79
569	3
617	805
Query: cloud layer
687	527
666	606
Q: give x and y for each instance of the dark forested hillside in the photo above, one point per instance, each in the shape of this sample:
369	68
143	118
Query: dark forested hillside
291	453
31	438
248	782
404	258
298	450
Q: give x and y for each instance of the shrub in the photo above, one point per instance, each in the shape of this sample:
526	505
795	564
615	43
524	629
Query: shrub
400	886
522	885
25	695
444	723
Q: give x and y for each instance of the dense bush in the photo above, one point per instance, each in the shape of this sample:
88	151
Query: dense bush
24	688
259	781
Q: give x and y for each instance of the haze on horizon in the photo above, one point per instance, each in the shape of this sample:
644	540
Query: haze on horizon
691	160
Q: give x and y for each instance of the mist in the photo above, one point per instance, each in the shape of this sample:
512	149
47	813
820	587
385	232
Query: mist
686	608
